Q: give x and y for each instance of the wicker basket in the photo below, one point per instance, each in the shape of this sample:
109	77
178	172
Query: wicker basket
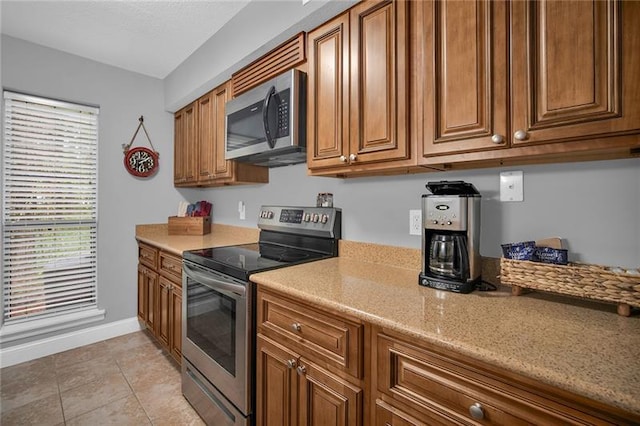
575	279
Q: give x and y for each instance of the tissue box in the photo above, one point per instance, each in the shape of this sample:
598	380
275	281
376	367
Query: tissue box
189	225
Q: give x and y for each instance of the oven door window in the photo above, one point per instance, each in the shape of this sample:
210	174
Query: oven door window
211	324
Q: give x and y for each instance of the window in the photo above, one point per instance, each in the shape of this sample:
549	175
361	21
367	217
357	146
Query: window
49	209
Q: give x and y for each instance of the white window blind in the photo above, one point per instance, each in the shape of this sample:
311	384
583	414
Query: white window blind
49	207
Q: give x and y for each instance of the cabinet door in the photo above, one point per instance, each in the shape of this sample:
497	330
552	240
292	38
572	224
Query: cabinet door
462	53
206	136
328	94
163	311
568	76
222	168
327	400
378	83
176	323
143	298
151	291
185	133
276	384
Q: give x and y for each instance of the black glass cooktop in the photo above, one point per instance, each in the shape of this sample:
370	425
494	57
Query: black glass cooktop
240	261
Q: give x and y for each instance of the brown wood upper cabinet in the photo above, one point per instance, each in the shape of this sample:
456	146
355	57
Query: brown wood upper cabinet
199	145
545	77
185	132
357	93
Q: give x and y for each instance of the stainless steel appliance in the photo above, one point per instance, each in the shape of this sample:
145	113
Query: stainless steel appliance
219	324
267	124
451	237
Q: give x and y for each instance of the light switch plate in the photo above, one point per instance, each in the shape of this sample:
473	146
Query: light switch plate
511	186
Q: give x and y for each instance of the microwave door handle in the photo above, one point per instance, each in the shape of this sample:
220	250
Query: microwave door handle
265	117
212	282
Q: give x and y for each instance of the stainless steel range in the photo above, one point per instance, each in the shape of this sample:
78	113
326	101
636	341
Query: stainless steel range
218	306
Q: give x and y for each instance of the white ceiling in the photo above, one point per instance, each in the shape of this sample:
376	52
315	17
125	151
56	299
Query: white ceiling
149	37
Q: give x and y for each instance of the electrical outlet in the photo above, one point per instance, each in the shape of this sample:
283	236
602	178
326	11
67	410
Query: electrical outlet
415	222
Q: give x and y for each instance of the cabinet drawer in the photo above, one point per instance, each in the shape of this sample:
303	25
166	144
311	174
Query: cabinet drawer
148	255
171	267
437	387
315	334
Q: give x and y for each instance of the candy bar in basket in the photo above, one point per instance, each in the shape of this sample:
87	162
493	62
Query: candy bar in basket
548	250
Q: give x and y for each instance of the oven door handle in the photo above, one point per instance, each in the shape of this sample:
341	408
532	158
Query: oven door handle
212	282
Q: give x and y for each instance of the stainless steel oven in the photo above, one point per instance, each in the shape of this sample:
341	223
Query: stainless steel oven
217	334
219	322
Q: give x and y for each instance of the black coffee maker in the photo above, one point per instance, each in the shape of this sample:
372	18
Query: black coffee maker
451	237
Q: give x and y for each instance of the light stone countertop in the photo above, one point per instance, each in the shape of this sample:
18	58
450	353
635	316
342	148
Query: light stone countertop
221	235
582	347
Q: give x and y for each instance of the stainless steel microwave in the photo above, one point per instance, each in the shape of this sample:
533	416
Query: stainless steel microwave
267	124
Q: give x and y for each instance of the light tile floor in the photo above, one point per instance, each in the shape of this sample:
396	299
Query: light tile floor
127	380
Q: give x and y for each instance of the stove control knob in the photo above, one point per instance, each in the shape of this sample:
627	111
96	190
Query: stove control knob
325	218
435	222
449	222
316	217
269	215
307	217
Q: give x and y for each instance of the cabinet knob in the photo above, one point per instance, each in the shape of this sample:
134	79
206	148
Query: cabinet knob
520	135
296	327
292	364
476	411
497	138
302	370
353	157
343	159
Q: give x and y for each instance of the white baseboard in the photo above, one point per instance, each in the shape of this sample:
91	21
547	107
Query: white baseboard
28	351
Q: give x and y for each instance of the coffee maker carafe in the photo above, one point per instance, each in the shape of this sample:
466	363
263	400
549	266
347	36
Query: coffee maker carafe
451	236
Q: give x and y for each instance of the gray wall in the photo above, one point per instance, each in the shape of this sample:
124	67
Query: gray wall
257	28
123	201
593	206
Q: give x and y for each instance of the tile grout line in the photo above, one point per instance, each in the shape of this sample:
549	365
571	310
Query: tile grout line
55	367
133	392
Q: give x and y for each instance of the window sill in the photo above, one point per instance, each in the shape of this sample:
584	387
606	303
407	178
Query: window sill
36	327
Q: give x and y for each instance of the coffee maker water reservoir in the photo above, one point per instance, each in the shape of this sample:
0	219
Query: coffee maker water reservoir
451	237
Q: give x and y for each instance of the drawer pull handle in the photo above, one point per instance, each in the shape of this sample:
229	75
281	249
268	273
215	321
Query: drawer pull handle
291	364
296	327
476	411
301	370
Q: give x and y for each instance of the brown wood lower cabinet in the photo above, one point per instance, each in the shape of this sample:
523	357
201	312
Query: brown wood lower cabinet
309	365
147	286
292	390
419	384
160	297
324	367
